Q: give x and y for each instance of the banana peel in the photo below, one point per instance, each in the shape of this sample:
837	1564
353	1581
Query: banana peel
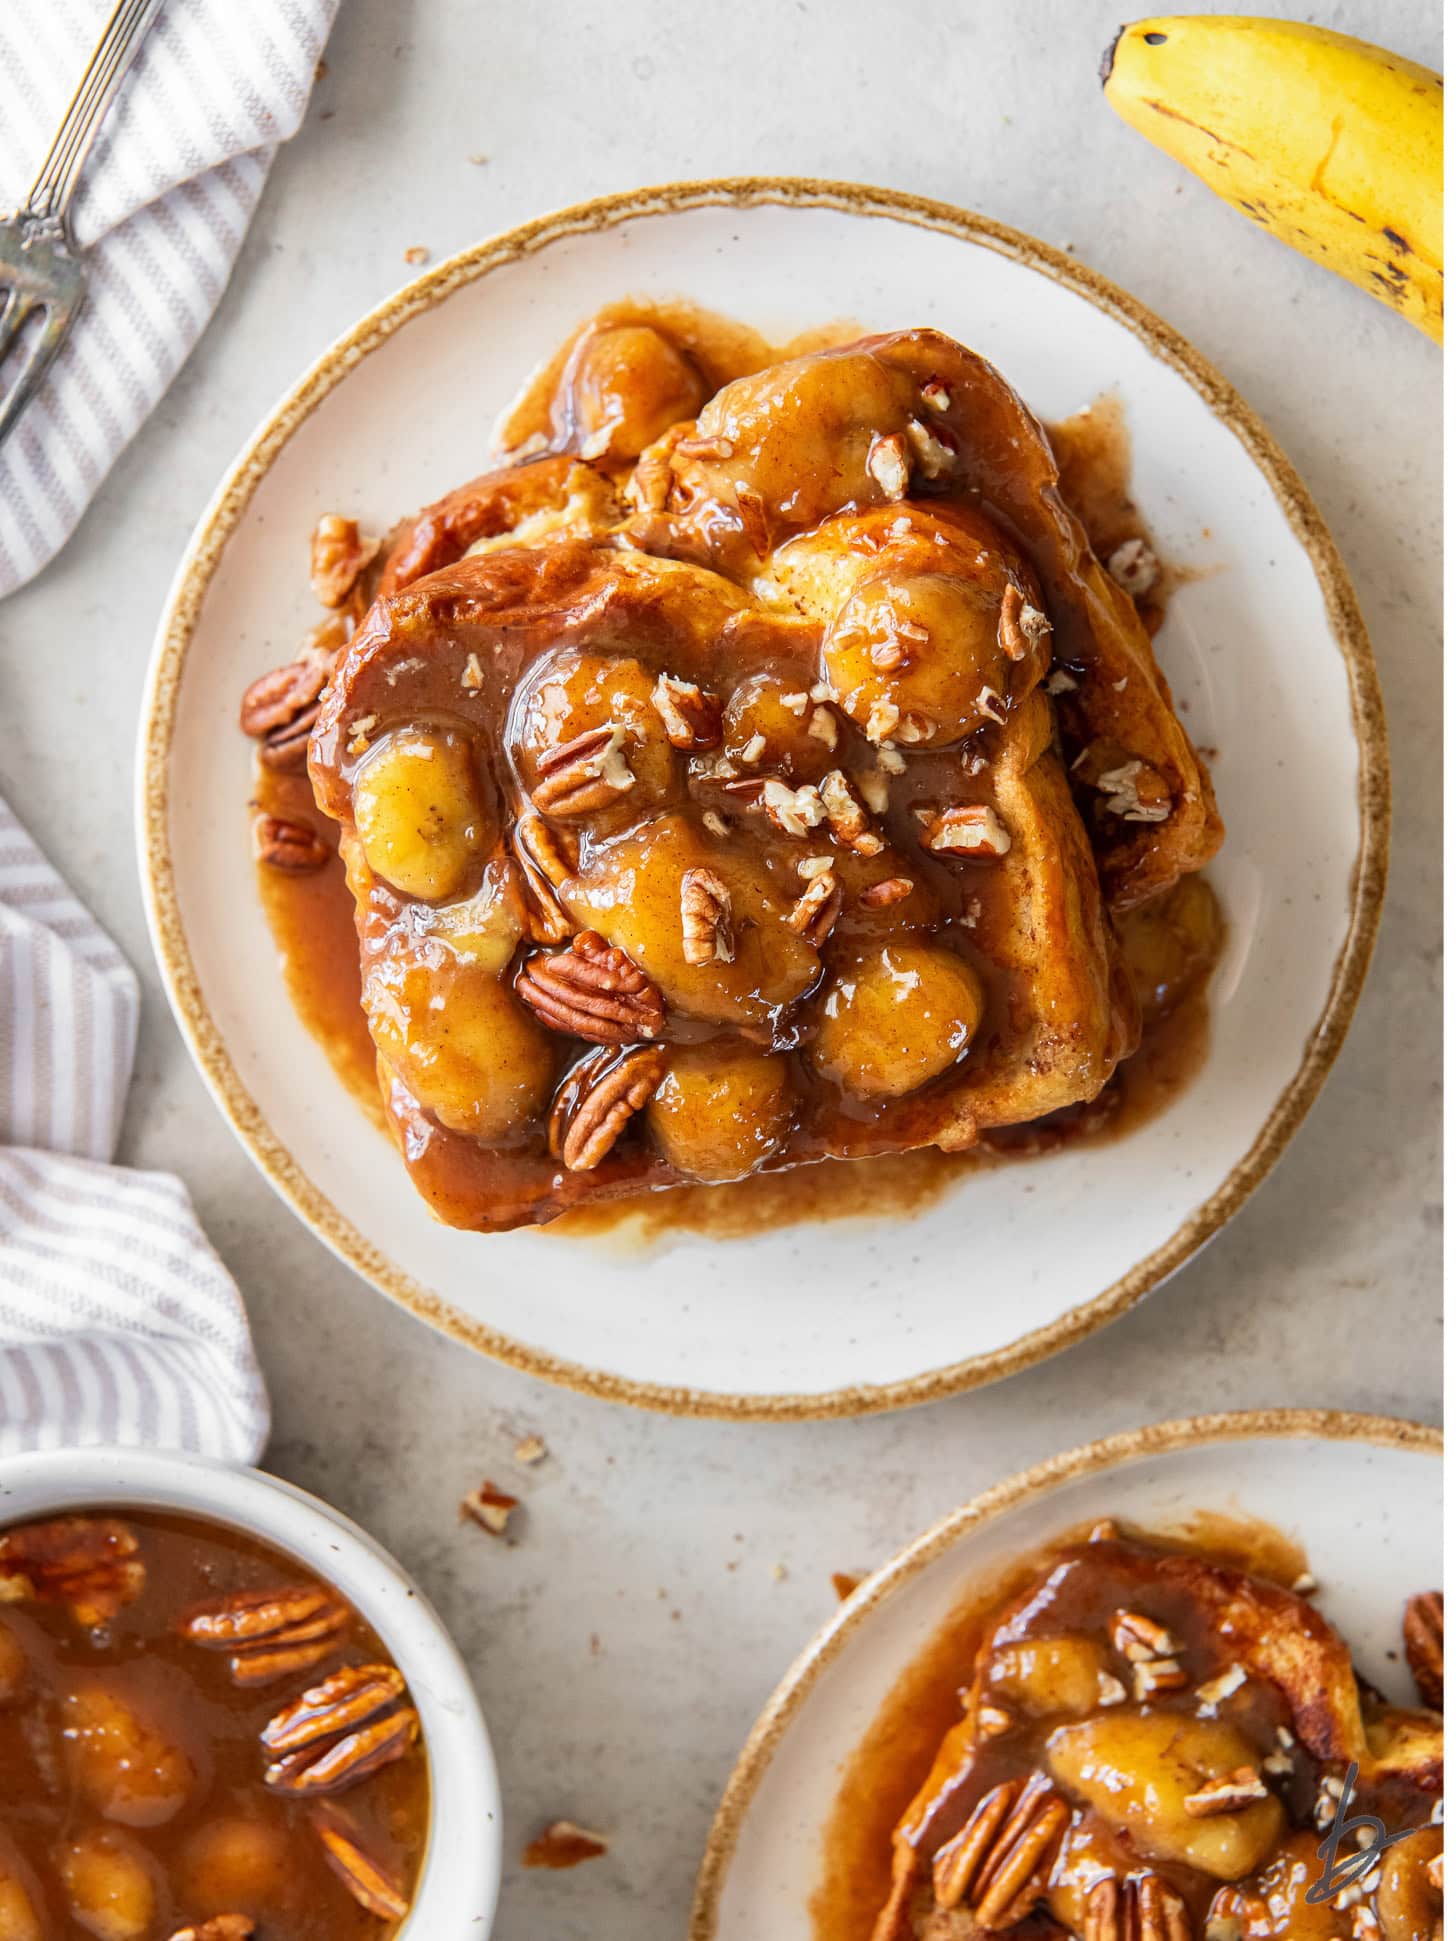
1333	145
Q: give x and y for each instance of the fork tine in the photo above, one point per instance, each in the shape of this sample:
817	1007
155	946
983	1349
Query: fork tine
17	306
54	332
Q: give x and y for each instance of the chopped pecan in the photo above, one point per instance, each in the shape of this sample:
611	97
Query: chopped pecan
490	1507
592	990
1153	1675
89	1563
692	717
290	846
1020	625
884	895
1138	1637
270	1633
817	910
848	821
544	866
1110	1690
597	1099
993	1721
966	829
339	1732
933	455
563	1844
367	1878
888	464
336	558
1224	1920
1135	791
585	774
221	1927
1425	1645
1134	565
845	1582
1230	1792
707	918
794	811
1000	1860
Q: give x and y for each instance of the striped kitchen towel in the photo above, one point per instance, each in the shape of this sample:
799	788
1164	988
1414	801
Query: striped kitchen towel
118	1322
166	196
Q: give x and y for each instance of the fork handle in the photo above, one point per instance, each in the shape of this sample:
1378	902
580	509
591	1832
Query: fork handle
51	193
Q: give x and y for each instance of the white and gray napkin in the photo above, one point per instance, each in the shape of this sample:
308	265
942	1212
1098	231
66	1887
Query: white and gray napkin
165	199
118	1322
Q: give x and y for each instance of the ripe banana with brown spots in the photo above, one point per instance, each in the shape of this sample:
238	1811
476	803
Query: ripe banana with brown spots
1333	145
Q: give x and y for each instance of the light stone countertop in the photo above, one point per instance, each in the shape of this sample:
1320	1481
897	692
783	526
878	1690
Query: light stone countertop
623	1647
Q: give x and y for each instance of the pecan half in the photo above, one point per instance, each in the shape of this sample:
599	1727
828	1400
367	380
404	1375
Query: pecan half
367	1878
592	990
848	821
1143	1907
88	1563
270	1633
563	1844
967	829
585	774
999	1861
339	1732
544	866
290	846
598	1098
707	918
1230	1792
692	717
221	1927
336	558
1425	1645
817	910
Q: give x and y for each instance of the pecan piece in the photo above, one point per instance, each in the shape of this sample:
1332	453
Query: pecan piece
692	717
1139	1638
221	1927
544	867
336	558
585	774
888	464
89	1563
490	1507
1425	1645
968	829
884	895
366	1877
563	1844
999	1861
794	811
290	846
270	1633
600	1095
1153	1675
1230	1792
339	1732
1135	791
817	910
1134	565
592	990
285	702
848	821
707	918
1021	625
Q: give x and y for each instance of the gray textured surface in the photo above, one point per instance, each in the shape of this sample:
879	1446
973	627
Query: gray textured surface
623	1647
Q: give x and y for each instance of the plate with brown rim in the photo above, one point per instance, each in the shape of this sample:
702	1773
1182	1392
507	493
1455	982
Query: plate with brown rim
799	1849
765	1303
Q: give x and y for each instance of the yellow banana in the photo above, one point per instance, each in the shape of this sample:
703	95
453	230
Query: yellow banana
1331	144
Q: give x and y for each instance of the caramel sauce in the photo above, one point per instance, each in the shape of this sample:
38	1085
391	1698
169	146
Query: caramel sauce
225	1844
887	1769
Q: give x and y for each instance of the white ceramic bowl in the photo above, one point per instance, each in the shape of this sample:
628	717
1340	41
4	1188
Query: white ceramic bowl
460	1878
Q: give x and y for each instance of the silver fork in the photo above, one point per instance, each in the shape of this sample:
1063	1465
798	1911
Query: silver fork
40	267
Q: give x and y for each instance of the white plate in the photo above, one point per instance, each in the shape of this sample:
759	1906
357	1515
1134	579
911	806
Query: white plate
1361	1495
1265	649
